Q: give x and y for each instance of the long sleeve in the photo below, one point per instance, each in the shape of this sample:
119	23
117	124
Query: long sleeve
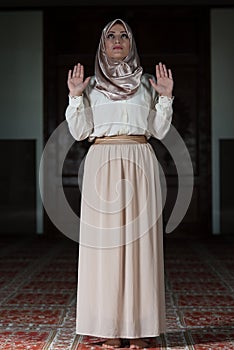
79	118
160	118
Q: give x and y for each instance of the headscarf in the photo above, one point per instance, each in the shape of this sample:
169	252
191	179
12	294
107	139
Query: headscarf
117	79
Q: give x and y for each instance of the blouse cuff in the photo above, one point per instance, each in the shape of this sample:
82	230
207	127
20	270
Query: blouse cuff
165	100
75	101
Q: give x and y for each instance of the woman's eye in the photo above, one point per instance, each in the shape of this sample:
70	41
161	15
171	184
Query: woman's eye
110	36
124	36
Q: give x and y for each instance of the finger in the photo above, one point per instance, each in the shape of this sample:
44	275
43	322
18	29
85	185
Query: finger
86	81
74	71
82	72
170	73
78	70
69	74
153	84
165	70
157	71
161	70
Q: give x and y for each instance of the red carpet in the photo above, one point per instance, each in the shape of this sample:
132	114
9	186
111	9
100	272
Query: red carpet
38	295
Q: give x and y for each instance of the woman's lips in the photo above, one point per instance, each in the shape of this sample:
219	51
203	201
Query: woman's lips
117	47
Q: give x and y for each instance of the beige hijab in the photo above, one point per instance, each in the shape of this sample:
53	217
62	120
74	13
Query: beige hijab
118	80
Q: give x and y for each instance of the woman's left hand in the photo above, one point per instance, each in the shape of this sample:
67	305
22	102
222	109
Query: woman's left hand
164	84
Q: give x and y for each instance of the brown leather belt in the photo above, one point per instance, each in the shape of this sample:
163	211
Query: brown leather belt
121	139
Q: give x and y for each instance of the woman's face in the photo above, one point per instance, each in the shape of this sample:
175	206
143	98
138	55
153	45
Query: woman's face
117	42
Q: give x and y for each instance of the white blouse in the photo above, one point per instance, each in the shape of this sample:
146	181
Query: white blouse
95	115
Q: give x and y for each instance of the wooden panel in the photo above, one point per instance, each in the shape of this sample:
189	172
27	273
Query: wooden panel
17	186
226	186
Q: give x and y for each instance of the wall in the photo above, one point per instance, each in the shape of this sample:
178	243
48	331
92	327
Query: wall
222	85
21	115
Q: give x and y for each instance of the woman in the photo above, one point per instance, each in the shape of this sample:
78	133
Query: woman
120	272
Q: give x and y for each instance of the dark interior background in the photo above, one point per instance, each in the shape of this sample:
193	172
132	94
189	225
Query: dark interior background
178	36
174	32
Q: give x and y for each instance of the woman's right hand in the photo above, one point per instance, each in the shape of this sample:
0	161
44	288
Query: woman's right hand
75	80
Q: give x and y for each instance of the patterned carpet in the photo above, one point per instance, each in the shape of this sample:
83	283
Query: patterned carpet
38	295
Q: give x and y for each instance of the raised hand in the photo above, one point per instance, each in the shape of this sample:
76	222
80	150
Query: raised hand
75	80
164	84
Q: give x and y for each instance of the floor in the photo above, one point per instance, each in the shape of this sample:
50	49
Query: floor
38	294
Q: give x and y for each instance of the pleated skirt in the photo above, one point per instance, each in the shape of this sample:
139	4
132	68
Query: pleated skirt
120	290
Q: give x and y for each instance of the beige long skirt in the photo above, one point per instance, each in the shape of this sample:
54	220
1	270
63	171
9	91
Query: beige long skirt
120	271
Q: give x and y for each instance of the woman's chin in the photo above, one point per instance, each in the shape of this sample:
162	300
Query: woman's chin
118	57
